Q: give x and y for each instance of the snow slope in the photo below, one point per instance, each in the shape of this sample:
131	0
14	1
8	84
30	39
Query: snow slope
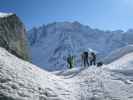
20	80
111	82
118	54
124	62
51	44
123	59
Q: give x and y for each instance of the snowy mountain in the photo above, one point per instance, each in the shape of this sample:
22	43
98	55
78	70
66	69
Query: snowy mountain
20	80
52	43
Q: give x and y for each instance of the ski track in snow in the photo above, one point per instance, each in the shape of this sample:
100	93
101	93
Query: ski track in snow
20	80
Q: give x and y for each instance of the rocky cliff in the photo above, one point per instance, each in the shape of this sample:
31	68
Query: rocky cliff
12	35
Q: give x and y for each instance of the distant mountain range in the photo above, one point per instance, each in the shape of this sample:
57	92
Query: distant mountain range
52	43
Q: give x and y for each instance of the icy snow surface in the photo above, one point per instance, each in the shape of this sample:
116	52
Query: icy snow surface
20	80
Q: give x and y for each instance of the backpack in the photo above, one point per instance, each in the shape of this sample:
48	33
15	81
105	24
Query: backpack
99	64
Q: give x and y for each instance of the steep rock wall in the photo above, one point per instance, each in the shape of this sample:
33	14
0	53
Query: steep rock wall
13	36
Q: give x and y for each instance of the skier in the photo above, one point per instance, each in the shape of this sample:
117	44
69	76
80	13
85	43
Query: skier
70	61
84	58
93	58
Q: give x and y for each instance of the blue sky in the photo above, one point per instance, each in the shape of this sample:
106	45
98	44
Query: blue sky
102	14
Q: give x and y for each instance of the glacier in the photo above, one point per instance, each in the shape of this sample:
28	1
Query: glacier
21	80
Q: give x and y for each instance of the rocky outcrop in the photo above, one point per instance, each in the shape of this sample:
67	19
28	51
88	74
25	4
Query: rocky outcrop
12	35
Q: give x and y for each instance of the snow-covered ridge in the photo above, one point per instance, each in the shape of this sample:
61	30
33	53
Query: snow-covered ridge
118	54
125	62
2	14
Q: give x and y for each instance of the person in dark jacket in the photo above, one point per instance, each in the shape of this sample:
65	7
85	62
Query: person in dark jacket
93	60
84	57
70	61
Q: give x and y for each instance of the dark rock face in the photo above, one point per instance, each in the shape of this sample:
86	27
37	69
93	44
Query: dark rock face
13	36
